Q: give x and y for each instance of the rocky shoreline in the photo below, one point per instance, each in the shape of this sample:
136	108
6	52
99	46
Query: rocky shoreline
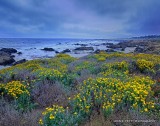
7	55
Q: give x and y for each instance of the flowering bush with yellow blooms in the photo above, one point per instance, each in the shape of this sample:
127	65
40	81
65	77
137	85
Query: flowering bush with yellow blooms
65	58
96	84
46	73
120	65
115	70
101	59
145	65
102	56
33	66
107	94
19	92
57	65
58	116
53	116
14	89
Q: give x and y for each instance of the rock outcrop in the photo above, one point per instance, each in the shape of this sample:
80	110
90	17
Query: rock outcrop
66	51
5	58
8	50
84	48
20	61
48	49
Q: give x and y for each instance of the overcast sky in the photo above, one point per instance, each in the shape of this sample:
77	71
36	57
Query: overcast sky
79	18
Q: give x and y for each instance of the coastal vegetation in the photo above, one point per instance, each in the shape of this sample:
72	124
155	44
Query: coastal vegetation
97	89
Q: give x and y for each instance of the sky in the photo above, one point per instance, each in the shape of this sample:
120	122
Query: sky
79	18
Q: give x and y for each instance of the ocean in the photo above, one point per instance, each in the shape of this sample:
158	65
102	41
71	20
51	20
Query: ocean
31	47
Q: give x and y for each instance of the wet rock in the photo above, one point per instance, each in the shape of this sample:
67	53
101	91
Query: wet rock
97	51
108	44
9	50
12	56
32	48
81	44
95	45
127	44
114	46
84	48
5	58
66	51
19	53
110	50
20	61
139	49
48	49
56	51
123	49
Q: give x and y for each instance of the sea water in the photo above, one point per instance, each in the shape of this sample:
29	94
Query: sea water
31	47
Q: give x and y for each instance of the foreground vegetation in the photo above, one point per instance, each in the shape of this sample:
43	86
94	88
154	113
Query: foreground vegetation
97	89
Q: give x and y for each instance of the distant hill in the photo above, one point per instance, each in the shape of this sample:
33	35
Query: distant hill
147	37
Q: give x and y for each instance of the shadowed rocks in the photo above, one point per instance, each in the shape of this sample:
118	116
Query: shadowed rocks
48	49
66	51
8	50
5	58
84	48
20	61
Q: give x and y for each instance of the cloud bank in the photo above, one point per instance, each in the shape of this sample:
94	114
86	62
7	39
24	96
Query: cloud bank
79	18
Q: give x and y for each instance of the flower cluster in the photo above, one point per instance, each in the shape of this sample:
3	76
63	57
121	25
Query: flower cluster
116	69
46	73
57	65
120	65
14	89
111	93
102	56
149	57
52	116
65	58
144	64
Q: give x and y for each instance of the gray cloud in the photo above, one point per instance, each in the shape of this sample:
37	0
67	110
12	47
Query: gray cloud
146	19
79	18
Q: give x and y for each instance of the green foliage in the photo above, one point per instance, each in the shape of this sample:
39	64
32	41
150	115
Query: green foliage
113	86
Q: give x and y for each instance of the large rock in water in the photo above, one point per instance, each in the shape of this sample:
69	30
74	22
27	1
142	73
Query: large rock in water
8	50
84	48
114	46
66	51
5	58
48	49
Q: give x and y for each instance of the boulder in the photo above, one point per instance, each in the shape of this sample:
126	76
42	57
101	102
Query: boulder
48	49
5	58
56	51
110	50
9	50
19	53
107	44
66	51
139	50
123	49
20	61
84	48
114	46
81	44
97	51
